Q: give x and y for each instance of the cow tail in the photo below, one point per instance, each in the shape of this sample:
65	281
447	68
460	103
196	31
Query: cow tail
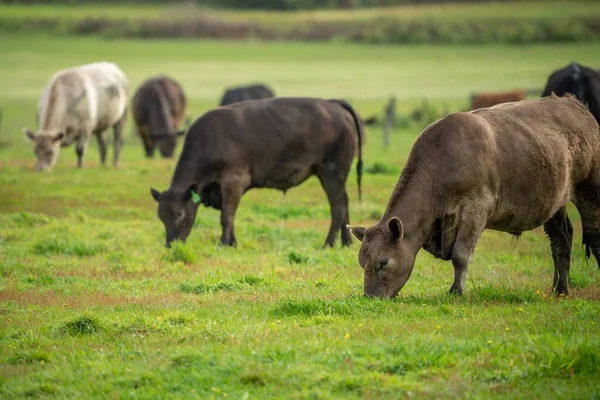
359	133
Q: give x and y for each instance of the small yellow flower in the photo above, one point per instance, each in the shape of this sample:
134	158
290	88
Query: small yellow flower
347	336
215	389
520	309
507	329
42	362
438	327
490	342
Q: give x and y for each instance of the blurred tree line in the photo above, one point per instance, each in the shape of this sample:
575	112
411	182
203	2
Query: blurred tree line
253	4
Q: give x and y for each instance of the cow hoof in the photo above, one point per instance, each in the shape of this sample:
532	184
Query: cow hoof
562	293
455	291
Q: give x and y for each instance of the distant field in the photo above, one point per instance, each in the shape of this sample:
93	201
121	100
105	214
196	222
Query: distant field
465	23
93	306
457	11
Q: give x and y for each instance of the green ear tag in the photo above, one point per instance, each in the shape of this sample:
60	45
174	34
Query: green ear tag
195	197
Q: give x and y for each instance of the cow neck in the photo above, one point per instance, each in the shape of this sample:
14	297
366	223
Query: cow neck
186	171
50	114
416	211
160	120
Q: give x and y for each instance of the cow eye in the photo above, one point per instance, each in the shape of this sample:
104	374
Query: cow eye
383	262
179	214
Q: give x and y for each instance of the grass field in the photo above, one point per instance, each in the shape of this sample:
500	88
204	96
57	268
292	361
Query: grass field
93	306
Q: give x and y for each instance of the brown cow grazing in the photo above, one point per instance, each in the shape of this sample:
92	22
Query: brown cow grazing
270	143
483	100
511	168
158	108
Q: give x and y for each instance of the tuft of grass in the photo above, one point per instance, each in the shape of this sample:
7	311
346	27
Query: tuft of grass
319	307
179	251
25	219
209	288
33	357
252	280
81	326
497	294
71	247
380	168
295	257
253	379
200	288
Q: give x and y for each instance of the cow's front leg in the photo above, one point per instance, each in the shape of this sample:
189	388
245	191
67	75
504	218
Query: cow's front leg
80	148
101	137
471	225
232	189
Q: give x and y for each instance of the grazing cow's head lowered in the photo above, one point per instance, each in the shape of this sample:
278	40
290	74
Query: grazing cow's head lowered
167	142
385	256
46	146
177	211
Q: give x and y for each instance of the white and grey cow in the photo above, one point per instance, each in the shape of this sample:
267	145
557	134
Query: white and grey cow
76	103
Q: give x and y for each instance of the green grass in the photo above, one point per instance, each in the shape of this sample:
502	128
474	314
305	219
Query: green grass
92	305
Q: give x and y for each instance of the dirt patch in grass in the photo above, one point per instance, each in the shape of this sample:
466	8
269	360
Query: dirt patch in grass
51	299
588	293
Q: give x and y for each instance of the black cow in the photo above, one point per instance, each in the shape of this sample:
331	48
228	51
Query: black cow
270	143
579	80
250	92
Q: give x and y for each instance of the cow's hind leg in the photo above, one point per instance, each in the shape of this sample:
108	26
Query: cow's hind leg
101	137
470	226
118	137
232	188
560	232
333	183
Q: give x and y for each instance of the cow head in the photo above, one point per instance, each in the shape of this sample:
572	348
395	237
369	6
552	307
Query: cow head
46	146
177	211
385	256
167	142
578	85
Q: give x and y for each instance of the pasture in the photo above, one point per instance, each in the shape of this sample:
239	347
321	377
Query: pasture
93	305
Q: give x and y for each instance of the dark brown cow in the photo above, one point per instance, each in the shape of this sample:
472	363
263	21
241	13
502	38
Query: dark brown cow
511	168
483	100
270	143
250	92
158	109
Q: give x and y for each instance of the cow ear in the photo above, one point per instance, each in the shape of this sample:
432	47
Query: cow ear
357	231
192	192
396	228
58	137
155	194
28	134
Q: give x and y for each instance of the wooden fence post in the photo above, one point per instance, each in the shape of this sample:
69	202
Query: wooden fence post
390	121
